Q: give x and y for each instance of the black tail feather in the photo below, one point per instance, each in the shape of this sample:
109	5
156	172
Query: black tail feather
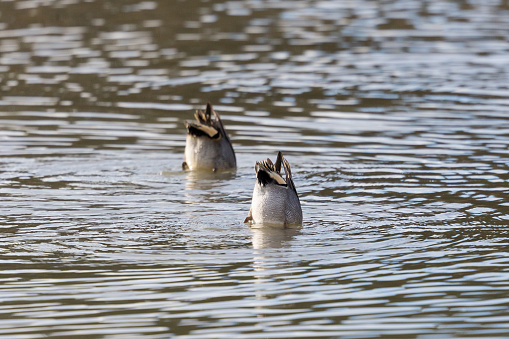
192	130
263	178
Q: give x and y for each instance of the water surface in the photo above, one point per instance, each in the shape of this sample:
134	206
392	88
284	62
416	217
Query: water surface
393	116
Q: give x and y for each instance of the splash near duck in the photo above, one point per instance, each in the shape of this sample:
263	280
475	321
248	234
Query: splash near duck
275	200
208	146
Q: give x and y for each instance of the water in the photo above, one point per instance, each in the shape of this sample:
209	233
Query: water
393	115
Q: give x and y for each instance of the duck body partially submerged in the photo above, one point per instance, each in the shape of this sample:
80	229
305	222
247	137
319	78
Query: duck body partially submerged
275	199
208	146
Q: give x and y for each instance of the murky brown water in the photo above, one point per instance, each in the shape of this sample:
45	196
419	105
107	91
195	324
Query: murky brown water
393	114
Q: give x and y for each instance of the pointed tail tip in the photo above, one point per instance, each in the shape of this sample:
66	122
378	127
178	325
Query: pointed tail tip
279	160
209	110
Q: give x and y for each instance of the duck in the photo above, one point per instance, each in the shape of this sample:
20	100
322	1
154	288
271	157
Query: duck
275	200
208	147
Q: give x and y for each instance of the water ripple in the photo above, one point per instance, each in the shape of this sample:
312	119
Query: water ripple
392	115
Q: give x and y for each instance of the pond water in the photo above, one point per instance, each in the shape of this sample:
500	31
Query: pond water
394	116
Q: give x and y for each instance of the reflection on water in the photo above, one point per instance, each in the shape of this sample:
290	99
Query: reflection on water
203	182
394	116
273	237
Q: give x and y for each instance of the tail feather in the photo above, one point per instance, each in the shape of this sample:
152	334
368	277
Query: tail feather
199	129
288	172
267	171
